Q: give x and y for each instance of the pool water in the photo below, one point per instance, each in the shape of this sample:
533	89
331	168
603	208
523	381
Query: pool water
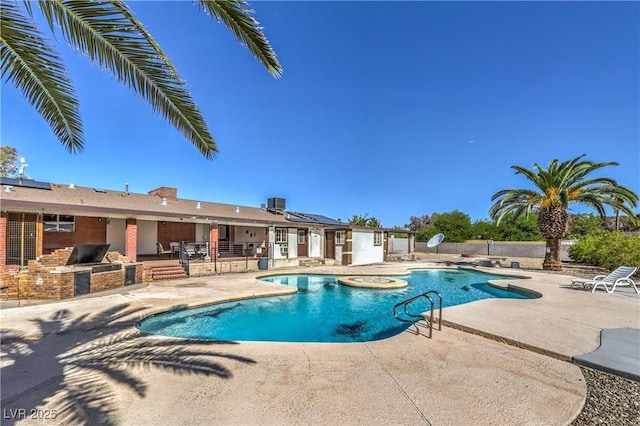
323	310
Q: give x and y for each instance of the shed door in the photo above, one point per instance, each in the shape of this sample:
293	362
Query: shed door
302	243
330	245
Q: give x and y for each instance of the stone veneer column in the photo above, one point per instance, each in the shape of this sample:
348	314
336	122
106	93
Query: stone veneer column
3	239
213	240
131	239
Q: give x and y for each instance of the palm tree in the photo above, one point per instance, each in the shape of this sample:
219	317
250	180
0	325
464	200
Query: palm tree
558	187
107	33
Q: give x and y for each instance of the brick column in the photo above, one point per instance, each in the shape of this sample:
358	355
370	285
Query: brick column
131	239
3	239
213	240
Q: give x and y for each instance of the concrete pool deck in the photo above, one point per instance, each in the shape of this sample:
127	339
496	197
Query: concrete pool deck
84	356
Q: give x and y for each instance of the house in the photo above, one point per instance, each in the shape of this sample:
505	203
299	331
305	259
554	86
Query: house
38	218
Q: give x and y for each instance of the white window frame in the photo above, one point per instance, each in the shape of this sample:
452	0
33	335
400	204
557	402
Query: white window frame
58	222
377	238
341	237
282	235
302	236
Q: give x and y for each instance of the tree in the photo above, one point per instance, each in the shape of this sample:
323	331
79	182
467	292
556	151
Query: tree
370	222
486	230
558	187
584	224
455	225
109	35
417	222
8	157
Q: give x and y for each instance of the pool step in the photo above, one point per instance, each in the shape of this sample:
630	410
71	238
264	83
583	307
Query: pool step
309	262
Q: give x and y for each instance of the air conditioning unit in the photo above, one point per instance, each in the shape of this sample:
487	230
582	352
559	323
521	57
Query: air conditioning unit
276	204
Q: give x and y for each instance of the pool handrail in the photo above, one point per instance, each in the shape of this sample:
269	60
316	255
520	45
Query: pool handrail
406	303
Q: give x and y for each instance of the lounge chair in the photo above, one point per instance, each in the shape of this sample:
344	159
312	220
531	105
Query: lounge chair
621	276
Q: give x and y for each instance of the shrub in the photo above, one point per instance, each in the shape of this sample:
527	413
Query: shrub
607	250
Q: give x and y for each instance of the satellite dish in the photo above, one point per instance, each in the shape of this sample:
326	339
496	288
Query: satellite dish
435	240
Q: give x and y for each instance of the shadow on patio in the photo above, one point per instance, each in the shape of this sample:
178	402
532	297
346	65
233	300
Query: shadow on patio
71	371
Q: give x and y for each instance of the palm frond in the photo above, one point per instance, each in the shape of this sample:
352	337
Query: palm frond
32	66
143	31
237	17
111	36
562	184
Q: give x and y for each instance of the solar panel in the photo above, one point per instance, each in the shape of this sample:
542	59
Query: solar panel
25	183
310	217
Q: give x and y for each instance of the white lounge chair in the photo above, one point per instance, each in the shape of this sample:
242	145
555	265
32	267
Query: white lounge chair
621	276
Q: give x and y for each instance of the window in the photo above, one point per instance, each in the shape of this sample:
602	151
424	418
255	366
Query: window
302	236
223	232
281	235
58	223
377	238
340	237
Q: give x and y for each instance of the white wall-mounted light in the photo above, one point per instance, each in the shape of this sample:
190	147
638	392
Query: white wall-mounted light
237	209
198	206
164	202
72	185
8	188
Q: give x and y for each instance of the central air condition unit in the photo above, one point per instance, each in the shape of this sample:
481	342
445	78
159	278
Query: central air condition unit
277	204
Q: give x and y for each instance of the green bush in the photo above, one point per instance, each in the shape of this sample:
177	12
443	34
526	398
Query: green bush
455	225
607	250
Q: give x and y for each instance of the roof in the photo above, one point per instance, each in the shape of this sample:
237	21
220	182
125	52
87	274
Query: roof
34	196
70	199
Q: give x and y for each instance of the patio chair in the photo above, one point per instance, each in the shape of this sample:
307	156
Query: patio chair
190	249
162	251
174	247
620	277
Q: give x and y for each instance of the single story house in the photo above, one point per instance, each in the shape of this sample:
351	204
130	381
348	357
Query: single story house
38	218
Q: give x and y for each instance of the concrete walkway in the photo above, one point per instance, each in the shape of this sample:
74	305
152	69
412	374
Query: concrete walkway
85	362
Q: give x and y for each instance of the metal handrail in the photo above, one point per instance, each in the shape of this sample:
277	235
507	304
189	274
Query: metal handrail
405	305
439	310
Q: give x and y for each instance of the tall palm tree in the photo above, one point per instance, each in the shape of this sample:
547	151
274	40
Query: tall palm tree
558	187
107	32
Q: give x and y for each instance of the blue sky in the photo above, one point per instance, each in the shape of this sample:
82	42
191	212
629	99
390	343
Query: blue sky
392	109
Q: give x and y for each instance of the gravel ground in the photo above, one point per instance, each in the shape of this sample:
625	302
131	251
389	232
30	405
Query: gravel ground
611	400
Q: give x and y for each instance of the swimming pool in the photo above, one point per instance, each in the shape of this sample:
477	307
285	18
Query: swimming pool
322	310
